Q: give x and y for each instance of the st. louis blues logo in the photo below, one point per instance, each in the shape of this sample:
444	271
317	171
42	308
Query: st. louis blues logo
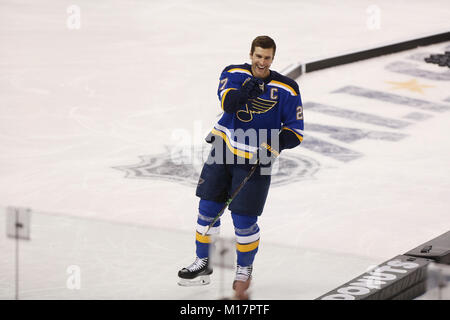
257	106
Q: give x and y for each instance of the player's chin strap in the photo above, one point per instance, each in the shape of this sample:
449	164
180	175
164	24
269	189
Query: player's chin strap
250	173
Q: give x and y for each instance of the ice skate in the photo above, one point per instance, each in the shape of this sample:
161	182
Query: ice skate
197	274
242	282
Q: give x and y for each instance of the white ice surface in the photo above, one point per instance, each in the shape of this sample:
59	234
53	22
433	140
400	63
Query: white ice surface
76	103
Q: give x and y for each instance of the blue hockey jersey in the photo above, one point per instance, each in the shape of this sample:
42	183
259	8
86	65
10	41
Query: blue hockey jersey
276	112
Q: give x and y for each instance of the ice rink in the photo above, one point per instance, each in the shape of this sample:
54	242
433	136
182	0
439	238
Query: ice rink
104	106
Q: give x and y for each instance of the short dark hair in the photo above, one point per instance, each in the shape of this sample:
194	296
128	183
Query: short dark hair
264	42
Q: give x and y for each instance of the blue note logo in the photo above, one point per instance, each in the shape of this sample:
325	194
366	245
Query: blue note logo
253	106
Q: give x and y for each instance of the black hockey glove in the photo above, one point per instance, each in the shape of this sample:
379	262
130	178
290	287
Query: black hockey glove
252	88
267	155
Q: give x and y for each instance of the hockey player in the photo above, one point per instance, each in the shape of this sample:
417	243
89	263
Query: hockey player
263	115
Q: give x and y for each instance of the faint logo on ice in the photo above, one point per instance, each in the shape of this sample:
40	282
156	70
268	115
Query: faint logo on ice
74	280
173	166
74	18
373	22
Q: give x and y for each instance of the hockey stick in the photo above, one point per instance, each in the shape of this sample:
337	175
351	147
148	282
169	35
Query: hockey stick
249	175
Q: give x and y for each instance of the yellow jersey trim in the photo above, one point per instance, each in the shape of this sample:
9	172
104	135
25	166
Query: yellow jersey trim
240	70
237	152
284	86
224	95
298	136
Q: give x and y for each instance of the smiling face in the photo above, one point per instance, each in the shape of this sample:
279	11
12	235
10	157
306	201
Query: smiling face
261	60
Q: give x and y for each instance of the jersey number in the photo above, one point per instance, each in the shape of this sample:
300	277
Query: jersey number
223	83
299	113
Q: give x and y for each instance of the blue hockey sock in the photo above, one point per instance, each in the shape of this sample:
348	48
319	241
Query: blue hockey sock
208	210
247	236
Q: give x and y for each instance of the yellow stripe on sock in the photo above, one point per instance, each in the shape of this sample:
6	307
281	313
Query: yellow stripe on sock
247	247
202	239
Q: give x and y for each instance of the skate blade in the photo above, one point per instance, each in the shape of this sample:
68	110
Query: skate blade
199	281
